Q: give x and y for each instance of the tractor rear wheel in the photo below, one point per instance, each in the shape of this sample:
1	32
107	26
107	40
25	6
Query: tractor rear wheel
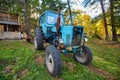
53	61
85	57
38	39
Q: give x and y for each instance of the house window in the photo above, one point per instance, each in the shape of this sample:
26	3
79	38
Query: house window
13	28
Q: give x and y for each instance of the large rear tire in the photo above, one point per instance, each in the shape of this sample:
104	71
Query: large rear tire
53	61
38	39
85	57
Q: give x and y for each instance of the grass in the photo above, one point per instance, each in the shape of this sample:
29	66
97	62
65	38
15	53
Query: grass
19	61
106	57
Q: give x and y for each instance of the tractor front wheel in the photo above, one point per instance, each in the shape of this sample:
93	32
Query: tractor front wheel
53	61
85	57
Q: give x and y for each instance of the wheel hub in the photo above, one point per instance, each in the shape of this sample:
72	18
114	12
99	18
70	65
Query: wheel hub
50	63
50	60
81	57
35	42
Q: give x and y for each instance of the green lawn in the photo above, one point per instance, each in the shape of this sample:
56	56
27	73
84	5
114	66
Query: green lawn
19	61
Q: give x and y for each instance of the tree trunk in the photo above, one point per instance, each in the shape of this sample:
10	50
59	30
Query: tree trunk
26	20
114	35
104	19
70	12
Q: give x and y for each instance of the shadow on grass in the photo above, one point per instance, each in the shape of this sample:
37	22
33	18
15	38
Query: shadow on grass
2	77
4	70
3	63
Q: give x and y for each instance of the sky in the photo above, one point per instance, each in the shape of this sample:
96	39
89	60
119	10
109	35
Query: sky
93	10
77	4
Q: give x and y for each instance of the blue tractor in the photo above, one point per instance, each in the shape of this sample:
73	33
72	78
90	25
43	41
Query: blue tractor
56	38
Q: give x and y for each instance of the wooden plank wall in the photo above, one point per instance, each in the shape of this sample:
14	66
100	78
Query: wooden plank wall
8	17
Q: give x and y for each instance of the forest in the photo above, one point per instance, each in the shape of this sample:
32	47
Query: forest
105	25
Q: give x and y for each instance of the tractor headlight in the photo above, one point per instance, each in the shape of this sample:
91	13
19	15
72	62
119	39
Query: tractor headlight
85	39
60	40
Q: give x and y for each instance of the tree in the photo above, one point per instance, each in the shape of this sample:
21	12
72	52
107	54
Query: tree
10	6
113	22
114	15
104	19
91	2
53	5
26	20
83	19
70	11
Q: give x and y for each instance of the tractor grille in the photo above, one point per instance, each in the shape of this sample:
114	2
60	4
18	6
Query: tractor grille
68	39
76	40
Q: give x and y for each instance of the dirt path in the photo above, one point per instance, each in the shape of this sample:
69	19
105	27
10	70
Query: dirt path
100	72
38	59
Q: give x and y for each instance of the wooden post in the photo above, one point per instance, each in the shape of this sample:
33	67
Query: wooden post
1	30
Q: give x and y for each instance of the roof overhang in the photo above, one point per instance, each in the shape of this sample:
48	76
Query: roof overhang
9	23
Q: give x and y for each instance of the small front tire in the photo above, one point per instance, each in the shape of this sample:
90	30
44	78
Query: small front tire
85	57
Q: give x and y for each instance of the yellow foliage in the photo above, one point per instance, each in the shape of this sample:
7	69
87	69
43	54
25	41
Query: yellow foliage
84	20
93	29
96	28
101	30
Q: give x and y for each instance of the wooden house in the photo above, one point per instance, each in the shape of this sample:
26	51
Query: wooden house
9	26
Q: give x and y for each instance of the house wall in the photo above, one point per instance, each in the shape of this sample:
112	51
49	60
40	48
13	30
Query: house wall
9	17
11	32
10	35
10	26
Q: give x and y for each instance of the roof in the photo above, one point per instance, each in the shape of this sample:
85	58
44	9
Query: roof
8	22
48	11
